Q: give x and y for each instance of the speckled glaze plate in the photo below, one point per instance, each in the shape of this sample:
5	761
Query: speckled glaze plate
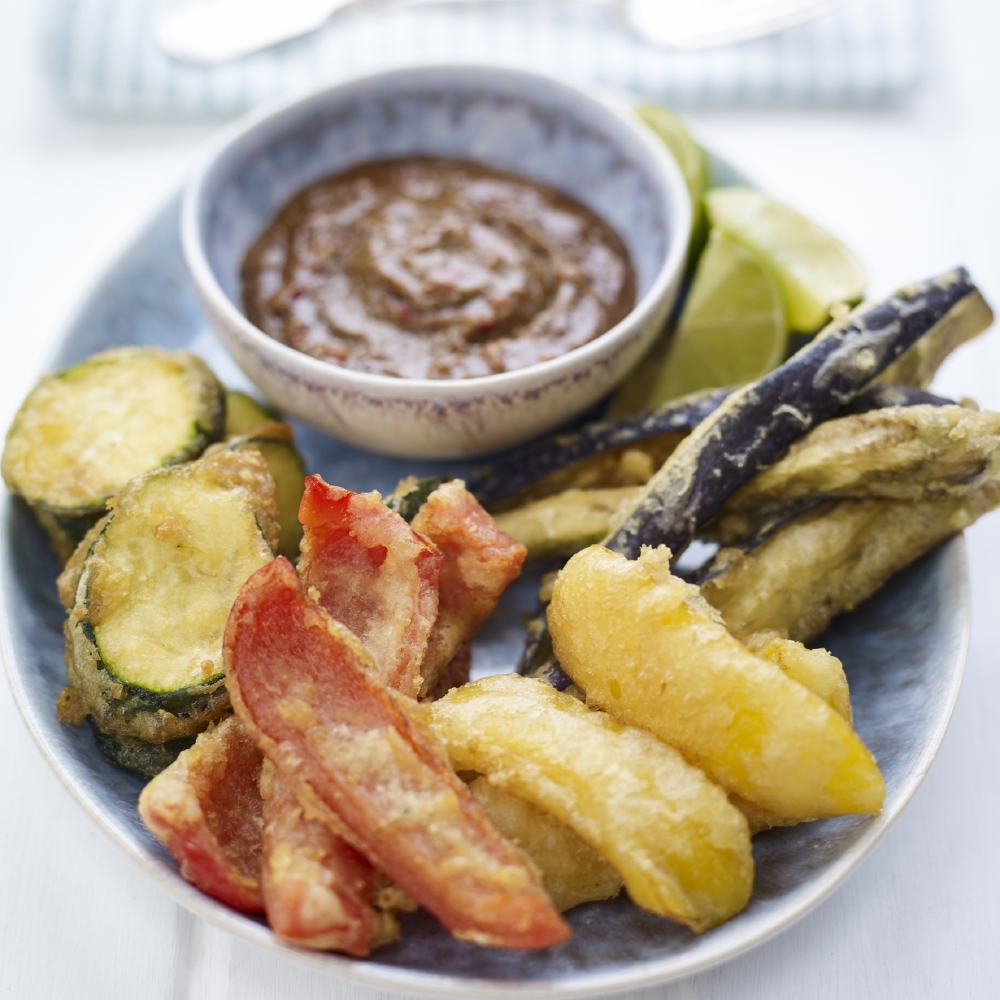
904	653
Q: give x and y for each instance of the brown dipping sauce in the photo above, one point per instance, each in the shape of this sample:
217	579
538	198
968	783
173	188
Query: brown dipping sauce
431	268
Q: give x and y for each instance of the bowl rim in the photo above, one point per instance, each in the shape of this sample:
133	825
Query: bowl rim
677	204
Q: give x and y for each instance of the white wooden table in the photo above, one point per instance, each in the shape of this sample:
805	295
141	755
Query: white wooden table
914	190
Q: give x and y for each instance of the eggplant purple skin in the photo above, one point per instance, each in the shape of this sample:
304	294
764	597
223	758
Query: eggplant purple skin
527	465
758	423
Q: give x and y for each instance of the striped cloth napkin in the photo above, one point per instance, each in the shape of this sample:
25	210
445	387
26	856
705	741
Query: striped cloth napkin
103	59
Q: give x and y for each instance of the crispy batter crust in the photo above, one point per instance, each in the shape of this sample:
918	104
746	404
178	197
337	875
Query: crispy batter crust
830	559
118	708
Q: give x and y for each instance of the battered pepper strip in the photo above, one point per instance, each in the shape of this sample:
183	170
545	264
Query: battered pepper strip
300	683
374	574
206	809
480	563
318	890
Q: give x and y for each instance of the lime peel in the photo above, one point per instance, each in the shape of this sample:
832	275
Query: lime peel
813	269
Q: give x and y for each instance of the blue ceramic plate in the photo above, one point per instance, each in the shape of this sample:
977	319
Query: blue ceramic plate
904	652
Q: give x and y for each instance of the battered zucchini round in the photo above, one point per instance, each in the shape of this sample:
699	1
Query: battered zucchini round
147	759
275	441
244	413
82	434
144	638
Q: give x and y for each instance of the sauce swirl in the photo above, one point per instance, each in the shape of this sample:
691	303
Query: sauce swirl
433	268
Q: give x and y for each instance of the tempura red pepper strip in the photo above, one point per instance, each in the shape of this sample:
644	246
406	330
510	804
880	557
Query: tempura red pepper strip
479	564
206	809
374	574
300	683
318	890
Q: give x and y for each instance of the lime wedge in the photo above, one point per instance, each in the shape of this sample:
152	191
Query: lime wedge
814	270
689	156
732	329
671	131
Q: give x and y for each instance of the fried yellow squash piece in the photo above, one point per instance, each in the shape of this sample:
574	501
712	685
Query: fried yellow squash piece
681	848
646	647
206	809
303	688
817	669
572	871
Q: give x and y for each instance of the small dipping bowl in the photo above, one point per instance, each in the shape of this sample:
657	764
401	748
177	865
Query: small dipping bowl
587	145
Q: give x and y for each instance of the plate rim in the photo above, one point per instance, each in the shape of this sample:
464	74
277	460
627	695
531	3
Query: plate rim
647	972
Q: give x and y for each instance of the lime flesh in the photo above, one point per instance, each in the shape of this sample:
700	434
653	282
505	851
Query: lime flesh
732	330
813	269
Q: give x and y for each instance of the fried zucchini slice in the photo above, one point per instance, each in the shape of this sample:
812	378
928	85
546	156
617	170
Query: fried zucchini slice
144	637
830	559
83	433
681	848
572	871
275	440
567	522
244	414
147	759
646	647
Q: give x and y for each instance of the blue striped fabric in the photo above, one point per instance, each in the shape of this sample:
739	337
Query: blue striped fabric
103	59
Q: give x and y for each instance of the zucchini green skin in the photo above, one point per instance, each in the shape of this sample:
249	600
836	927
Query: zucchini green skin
412	494
245	414
756	424
147	759
275	440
